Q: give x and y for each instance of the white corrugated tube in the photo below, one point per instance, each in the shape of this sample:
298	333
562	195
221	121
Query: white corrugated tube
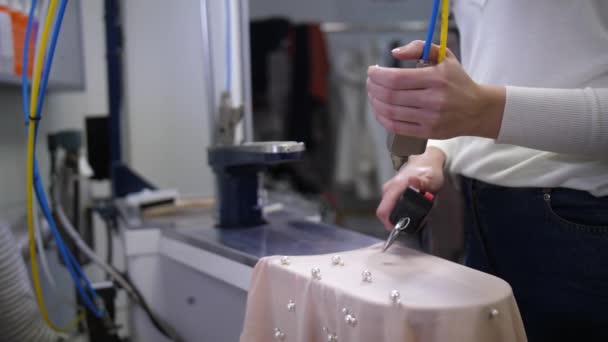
20	319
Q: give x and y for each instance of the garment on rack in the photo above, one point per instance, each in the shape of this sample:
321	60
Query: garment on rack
270	72
309	82
362	157
290	70
266	37
319	64
356	160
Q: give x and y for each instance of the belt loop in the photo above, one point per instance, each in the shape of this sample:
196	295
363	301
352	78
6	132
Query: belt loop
474	184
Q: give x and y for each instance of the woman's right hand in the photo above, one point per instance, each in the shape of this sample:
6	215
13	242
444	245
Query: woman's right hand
423	172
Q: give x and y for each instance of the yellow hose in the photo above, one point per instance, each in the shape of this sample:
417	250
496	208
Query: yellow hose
445	16
30	170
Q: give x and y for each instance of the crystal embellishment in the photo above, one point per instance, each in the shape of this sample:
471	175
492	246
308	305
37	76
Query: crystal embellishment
279	335
395	296
291	306
285	261
316	273
350	320
336	260
366	276
330	336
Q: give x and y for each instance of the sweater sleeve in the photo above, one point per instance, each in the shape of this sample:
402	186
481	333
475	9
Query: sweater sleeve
568	121
446	146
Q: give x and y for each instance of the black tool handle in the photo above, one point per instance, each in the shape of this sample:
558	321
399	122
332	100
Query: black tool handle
415	205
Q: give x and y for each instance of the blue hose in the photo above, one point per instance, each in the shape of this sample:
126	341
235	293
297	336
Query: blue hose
431	32
75	270
72	265
46	70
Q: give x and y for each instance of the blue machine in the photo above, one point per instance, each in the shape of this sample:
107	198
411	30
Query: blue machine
236	169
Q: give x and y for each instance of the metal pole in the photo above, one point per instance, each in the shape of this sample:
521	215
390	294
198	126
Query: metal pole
208	72
246	70
114	48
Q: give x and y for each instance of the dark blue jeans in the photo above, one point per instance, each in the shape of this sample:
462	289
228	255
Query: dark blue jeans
551	246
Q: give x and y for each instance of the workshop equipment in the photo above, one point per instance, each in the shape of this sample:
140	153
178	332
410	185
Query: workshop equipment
71	175
236	169
409	214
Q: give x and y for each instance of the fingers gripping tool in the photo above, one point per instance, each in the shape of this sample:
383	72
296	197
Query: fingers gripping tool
409	214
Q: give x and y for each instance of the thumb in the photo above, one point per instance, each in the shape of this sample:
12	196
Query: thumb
411	51
418	183
415	49
426	183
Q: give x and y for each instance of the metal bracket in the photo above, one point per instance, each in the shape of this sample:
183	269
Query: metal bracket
228	118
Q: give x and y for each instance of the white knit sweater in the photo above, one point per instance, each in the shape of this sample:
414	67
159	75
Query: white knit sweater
553	57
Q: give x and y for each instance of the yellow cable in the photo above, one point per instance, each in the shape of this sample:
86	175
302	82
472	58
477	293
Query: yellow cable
445	16
30	167
74	323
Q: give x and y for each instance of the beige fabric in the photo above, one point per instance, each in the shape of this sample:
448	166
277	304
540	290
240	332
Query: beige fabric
440	300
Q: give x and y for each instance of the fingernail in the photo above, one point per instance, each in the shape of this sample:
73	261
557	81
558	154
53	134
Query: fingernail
396	50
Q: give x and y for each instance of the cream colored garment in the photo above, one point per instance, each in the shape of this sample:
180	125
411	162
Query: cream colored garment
440	300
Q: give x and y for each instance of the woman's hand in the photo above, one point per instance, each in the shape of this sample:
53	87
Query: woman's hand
423	172
437	102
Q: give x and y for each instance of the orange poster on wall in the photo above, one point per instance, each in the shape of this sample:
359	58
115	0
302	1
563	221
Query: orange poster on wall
19	21
7	64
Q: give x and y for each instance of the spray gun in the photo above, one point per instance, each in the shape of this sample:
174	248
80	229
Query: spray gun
413	206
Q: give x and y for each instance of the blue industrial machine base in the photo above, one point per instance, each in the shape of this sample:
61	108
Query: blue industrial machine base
236	169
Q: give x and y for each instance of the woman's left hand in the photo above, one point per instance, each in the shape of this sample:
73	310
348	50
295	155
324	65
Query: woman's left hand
437	102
